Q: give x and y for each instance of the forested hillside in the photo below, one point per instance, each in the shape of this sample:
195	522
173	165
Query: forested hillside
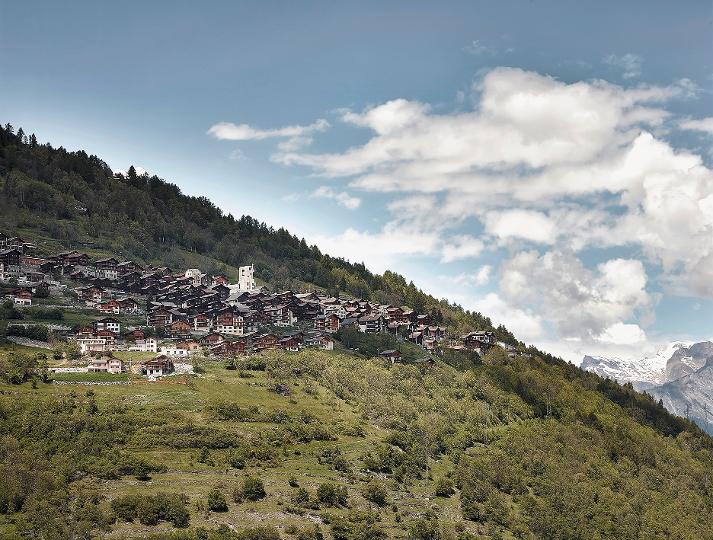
75	198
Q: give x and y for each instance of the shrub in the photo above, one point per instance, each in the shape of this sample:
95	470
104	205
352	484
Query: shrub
300	497
375	492
236	459
443	487
424	529
253	489
332	495
216	501
356	525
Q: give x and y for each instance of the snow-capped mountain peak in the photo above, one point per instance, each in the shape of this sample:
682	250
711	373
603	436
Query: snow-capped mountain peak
642	372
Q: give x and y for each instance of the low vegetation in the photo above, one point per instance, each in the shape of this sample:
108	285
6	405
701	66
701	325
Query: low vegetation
509	448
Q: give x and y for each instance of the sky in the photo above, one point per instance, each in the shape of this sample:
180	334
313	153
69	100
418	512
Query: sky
547	163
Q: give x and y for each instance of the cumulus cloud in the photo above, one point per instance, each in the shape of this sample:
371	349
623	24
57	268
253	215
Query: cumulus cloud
579	302
479	278
623	334
524	121
629	63
381	249
341	197
524	323
541	161
483	275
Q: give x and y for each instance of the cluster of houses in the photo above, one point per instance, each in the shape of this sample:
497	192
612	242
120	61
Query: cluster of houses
191	311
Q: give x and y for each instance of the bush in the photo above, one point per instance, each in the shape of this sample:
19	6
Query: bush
424	529
236	459
357	525
47	314
9	311
253	489
301	497
375	492
216	501
443	487
332	495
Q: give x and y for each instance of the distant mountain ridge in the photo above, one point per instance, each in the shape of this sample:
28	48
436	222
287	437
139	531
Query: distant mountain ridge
680	375
641	373
691	395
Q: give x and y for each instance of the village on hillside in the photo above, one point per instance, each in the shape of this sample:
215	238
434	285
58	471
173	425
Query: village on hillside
176	314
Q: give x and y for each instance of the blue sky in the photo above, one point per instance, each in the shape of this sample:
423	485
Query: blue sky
543	162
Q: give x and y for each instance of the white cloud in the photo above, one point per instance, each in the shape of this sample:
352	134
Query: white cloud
243	132
524	122
526	224
461	247
341	197
538	160
294	143
479	278
382	249
524	324
579	302
703	124
482	277
622	334
629	63
237	155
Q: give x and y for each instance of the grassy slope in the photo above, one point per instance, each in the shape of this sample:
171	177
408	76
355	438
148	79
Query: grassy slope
652	476
185	475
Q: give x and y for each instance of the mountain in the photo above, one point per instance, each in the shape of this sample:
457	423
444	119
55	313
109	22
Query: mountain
690	395
687	360
641	373
680	374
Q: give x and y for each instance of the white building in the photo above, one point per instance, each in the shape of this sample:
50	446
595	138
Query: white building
106	364
108	323
174	351
246	279
92	344
145	345
195	275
